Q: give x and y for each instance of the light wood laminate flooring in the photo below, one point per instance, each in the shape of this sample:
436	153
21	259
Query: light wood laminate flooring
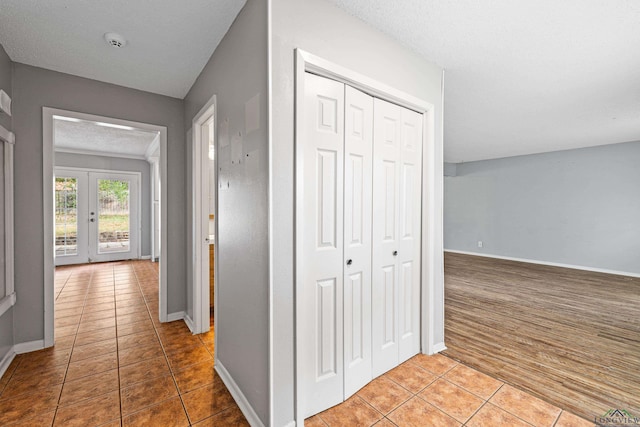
569	337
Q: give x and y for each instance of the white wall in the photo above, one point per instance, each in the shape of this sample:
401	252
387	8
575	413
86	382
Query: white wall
578	207
236	73
326	31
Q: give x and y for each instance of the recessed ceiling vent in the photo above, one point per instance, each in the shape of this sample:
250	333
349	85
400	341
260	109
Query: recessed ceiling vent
115	40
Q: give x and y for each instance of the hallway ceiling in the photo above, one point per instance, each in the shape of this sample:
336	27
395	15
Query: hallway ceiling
169	42
524	77
101	139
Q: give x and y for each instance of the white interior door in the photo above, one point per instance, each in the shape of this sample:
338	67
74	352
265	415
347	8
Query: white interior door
409	236
396	235
155	208
358	149
71	217
203	237
386	186
322	256
114	224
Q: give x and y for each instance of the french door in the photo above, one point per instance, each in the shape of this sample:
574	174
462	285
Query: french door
96	216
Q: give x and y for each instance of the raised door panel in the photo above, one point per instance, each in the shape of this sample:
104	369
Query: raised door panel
321	259
385	238
357	239
410	233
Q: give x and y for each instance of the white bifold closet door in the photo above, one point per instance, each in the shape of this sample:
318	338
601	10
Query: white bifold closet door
397	175
358	177
340	332
322	259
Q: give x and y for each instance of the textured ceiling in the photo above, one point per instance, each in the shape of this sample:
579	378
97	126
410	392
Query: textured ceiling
90	138
524	77
169	41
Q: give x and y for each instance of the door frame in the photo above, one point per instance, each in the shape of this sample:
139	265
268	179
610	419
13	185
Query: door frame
432	274
48	164
137	177
200	221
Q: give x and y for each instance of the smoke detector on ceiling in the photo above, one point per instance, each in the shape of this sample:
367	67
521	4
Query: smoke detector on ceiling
115	40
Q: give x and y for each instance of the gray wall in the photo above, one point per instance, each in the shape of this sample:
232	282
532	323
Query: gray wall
327	31
119	164
236	72
37	87
6	320
577	207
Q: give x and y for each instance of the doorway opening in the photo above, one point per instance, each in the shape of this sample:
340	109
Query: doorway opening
103	196
204	217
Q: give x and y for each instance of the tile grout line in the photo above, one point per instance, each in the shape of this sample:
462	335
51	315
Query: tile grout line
95	277
115	315
73	344
484	403
514	386
175	383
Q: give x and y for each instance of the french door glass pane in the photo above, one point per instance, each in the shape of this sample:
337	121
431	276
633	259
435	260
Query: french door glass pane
113	216
66	216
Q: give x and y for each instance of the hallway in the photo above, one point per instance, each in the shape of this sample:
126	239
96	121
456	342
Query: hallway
113	362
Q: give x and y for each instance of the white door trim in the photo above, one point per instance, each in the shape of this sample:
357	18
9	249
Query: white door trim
431	257
48	194
8	140
200	189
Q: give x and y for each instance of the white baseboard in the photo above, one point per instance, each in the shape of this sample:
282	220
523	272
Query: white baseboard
6	361
438	347
238	396
178	315
145	257
189	323
26	347
291	424
552	264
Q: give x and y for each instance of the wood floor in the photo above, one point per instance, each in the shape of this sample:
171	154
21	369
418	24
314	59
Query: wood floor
570	337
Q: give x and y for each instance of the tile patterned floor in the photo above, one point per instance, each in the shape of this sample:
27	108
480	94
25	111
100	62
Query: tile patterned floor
113	363
435	391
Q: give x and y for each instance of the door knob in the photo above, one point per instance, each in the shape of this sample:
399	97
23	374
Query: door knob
349	261
395	253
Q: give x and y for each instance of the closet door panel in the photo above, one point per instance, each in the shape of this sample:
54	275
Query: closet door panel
386	188
410	233
321	286
357	238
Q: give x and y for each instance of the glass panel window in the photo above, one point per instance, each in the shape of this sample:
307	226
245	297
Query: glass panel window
66	222
113	216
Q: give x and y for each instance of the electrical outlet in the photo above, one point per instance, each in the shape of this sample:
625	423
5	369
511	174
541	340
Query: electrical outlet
479	243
